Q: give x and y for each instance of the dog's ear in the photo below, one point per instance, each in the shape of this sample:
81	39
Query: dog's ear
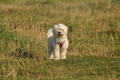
53	29
66	29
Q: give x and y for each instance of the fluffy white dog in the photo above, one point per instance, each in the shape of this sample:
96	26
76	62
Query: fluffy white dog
57	42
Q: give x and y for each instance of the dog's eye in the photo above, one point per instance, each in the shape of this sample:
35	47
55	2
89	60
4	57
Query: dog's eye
62	29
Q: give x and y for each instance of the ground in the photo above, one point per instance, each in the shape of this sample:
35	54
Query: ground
94	35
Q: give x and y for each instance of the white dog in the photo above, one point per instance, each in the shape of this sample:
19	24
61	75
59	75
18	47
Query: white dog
57	42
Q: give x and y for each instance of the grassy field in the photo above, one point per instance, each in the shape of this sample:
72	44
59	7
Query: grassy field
94	35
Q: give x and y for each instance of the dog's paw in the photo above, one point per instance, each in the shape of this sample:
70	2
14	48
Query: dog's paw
56	58
63	58
50	58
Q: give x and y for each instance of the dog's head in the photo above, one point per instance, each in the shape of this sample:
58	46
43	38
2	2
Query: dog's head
60	30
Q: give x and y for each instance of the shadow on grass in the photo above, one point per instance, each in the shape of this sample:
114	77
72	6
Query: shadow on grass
20	53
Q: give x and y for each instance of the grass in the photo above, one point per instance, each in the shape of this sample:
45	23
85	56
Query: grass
94	35
83	68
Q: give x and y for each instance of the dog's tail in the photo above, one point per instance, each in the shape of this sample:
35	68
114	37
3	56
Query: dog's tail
49	33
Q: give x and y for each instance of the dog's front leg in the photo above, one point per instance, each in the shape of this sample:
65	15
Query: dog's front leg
56	52
63	53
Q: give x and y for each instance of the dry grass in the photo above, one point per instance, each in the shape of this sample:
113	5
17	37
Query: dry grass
94	30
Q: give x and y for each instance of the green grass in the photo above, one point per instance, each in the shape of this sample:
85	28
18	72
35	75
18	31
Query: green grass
83	68
94	35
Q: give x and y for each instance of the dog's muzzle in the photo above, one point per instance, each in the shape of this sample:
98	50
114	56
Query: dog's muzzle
59	34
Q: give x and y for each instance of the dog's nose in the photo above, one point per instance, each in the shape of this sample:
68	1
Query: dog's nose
59	32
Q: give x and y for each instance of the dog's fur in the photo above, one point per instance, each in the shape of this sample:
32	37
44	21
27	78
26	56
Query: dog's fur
56	36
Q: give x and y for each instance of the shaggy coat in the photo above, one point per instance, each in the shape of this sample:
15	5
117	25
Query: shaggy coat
57	42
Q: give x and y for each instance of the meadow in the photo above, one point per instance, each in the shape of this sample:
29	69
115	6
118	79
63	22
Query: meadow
94	36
